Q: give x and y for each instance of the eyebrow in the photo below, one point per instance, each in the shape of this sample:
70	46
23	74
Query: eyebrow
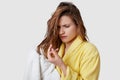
64	25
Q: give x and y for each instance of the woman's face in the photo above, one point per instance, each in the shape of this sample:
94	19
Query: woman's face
67	29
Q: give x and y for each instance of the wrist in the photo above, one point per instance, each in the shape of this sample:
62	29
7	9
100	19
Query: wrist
63	67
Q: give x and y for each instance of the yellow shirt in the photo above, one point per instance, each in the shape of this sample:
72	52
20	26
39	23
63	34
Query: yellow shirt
82	60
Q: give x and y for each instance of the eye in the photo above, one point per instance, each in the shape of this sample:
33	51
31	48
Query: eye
66	26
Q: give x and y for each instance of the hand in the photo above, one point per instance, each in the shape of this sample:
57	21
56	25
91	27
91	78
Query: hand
54	58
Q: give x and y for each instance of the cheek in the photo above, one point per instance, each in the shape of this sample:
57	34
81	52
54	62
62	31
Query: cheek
73	31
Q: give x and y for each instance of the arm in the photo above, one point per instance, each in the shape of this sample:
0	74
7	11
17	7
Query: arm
54	58
89	70
89	66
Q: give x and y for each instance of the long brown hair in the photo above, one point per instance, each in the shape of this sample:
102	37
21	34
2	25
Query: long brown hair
52	34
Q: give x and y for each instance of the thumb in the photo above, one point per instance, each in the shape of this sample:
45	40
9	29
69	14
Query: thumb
57	50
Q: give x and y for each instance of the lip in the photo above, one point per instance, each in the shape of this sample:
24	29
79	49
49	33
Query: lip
62	37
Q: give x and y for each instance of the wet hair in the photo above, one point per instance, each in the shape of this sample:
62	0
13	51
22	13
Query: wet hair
52	34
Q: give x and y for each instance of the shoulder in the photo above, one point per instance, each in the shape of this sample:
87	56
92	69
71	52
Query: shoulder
89	49
89	45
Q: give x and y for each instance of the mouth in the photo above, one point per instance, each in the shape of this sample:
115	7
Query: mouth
63	37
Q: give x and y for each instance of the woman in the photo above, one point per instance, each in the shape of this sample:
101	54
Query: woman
67	47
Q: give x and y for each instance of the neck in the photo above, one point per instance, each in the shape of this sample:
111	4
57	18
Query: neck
67	45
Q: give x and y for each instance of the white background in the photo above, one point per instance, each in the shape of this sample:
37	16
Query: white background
23	25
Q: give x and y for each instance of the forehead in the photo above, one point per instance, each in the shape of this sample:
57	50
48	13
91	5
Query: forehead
65	20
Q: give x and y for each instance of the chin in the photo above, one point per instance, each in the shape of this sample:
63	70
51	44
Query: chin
68	40
65	41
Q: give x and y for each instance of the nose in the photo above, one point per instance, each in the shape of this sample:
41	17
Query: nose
61	31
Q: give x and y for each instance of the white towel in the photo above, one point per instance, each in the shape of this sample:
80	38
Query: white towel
38	68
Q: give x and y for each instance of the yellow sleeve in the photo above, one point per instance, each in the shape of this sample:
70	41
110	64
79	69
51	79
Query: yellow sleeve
89	66
71	75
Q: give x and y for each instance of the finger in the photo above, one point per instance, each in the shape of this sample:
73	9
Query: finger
57	50
49	51
49	48
49	55
54	52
